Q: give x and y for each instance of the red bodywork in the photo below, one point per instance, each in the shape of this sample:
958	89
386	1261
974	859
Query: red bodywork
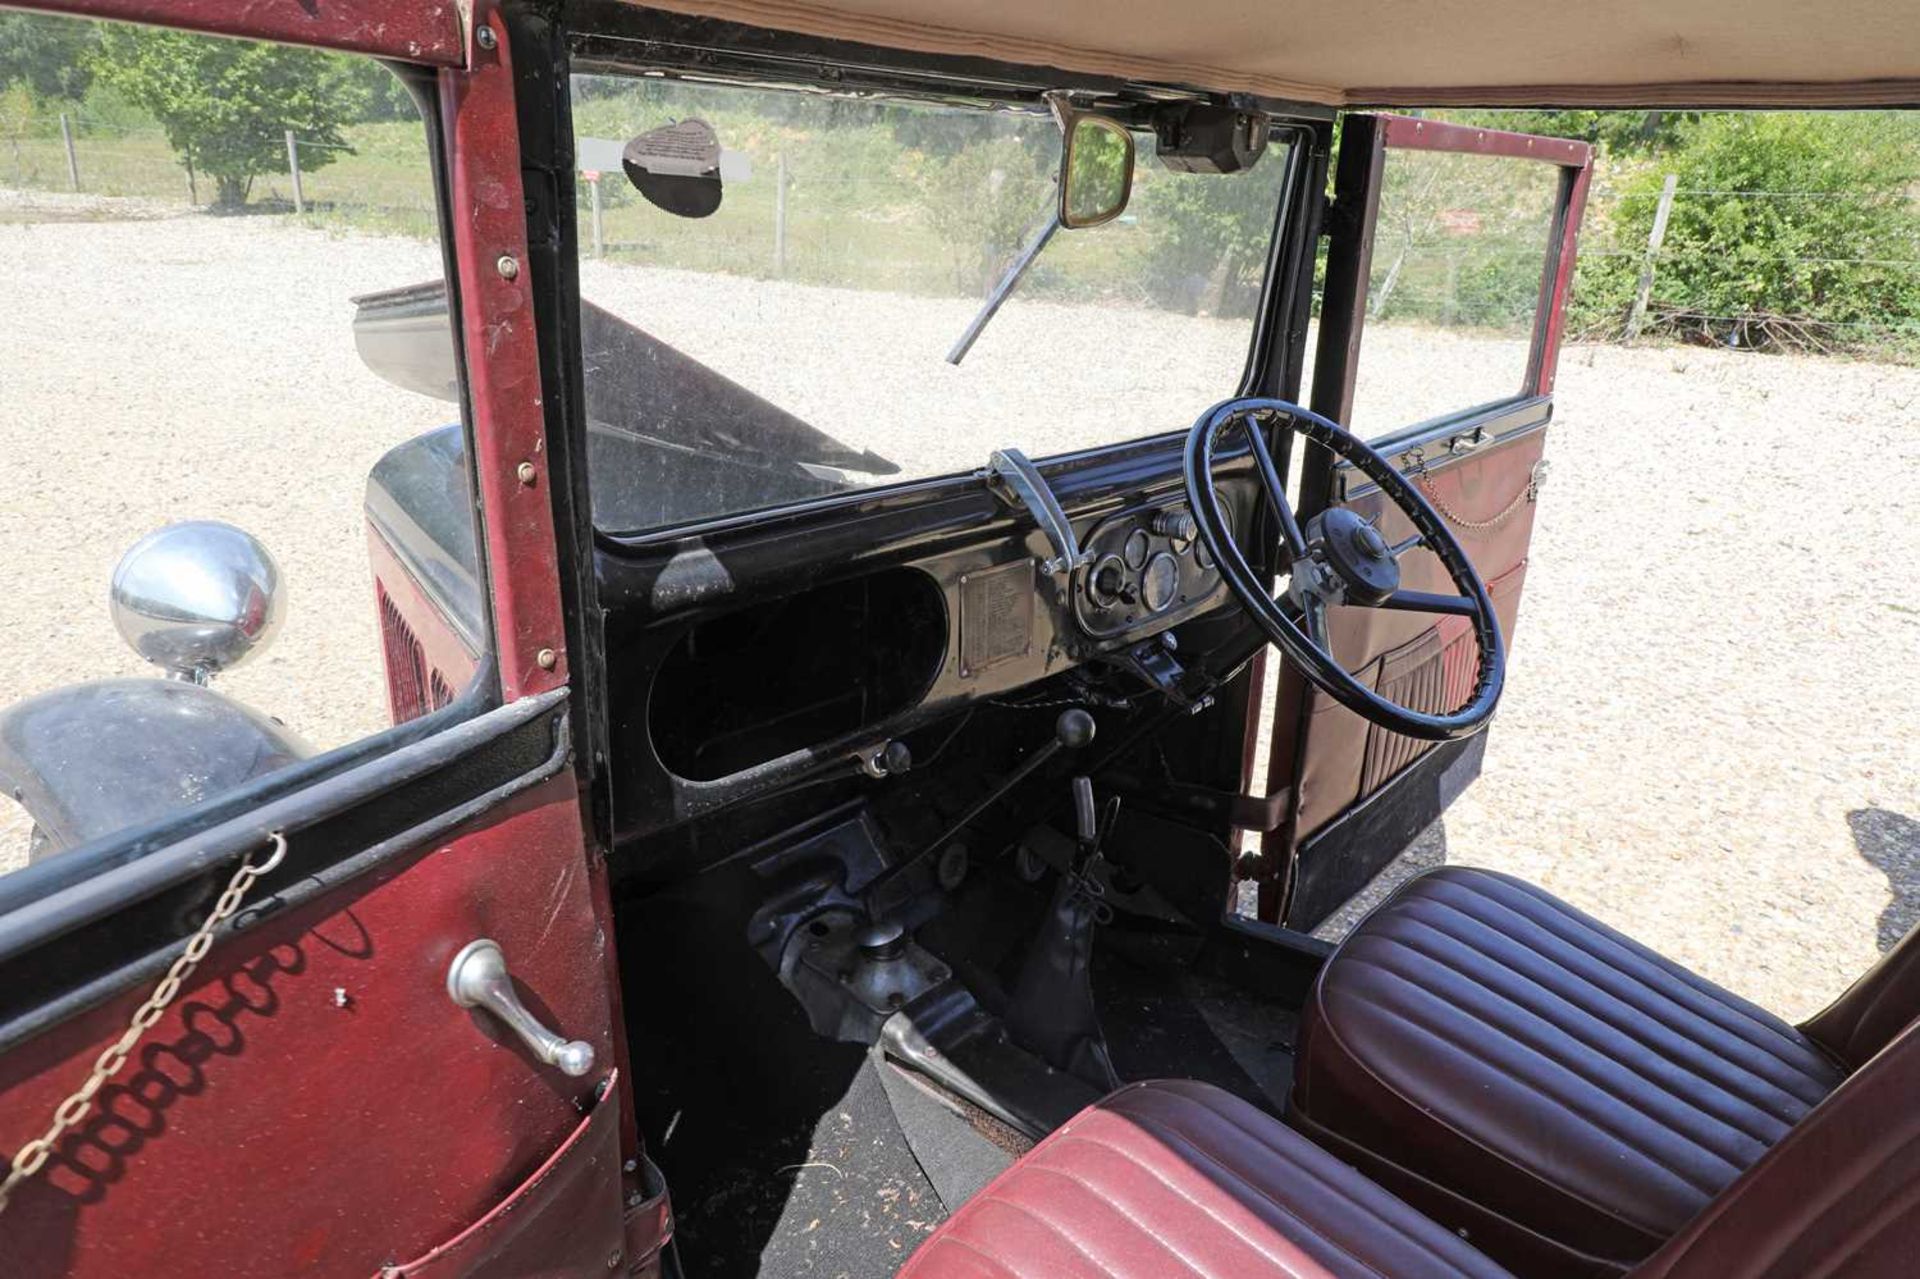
313	1101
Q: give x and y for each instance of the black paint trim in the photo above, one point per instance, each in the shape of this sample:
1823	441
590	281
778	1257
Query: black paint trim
1345	855
53	964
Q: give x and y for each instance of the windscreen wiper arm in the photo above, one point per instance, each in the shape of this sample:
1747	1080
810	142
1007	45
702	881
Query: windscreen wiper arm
1004	289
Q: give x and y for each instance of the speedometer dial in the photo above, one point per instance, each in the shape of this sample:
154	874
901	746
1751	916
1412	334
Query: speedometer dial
1159	582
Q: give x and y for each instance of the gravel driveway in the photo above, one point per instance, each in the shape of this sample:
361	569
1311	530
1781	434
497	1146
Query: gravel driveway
1711	736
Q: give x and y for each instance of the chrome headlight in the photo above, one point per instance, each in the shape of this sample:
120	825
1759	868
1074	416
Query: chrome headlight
197	598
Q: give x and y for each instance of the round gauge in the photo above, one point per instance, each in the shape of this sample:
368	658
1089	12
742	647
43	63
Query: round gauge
1138	544
1159	582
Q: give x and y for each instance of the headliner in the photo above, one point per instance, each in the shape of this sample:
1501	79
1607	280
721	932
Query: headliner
1413	52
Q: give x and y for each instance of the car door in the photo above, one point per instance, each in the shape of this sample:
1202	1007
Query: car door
1450	255
207	1072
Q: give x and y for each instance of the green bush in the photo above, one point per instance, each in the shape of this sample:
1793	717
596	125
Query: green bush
1791	231
985	201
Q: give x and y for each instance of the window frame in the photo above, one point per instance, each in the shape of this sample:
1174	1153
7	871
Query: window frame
1365	141
600	52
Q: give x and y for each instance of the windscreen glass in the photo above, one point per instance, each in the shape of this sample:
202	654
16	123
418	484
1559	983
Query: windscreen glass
791	339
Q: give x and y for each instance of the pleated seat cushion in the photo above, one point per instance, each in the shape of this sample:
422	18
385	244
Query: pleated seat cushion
1533	1078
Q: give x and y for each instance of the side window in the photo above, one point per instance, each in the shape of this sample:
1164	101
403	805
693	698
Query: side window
241	524
1461	257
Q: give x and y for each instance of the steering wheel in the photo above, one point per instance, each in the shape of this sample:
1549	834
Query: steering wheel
1339	558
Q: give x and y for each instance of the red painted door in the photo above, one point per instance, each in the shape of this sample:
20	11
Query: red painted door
1450	256
311	1098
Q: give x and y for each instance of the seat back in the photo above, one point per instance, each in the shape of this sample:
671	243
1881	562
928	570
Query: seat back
1838	1196
1874	1009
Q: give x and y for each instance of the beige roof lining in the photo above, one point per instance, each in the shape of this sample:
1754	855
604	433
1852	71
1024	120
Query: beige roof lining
1420	44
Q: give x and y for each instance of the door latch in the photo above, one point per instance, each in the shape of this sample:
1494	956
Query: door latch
479	979
1460	444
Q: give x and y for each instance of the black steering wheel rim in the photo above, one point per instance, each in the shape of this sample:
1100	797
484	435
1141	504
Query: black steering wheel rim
1317	663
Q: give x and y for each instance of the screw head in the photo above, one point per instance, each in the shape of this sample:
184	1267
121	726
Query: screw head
485	38
547	658
526	472
508	266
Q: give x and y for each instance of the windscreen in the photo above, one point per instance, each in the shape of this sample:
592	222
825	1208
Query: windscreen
793	341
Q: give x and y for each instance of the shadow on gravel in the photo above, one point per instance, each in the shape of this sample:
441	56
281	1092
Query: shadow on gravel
1890	842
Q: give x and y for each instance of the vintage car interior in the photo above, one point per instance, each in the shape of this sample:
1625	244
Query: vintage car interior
893	887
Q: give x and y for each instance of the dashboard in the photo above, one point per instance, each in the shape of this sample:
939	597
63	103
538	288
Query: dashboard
784	647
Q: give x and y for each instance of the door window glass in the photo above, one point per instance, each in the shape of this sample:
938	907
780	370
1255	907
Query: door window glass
791	340
1459	258
239	515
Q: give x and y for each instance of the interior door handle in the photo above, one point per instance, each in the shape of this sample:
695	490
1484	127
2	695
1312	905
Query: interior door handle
1468	443
479	979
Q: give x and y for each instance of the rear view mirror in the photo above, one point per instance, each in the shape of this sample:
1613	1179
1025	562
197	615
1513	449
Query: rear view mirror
1096	170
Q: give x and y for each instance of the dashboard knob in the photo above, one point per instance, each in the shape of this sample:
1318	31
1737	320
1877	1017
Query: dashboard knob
1109	584
1177	524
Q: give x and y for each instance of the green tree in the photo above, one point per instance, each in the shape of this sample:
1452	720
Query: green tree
1209	233
986	200
226	104
48	55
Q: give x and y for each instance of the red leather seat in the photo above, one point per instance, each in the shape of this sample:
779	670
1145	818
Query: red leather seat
1523	1073
1181	1179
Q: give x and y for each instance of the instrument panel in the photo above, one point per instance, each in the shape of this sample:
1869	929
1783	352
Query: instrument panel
1146	568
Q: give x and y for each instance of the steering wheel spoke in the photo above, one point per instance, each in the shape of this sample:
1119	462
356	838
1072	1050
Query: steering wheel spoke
1270	479
1429	602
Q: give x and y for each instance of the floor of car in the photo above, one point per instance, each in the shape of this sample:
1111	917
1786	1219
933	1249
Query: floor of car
1164	1021
788	1154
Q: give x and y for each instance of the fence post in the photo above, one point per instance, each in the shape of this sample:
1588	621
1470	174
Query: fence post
73	161
293	168
599	240
1638	318
780	214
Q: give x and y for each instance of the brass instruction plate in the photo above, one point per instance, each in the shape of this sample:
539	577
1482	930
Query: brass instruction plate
996	616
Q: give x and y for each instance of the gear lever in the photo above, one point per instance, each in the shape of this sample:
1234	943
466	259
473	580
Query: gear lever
1052	1010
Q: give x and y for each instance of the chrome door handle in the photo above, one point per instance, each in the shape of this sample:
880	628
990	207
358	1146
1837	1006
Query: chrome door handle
479	979
1468	443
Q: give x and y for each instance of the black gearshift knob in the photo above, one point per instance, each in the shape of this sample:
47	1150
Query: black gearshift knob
1073	729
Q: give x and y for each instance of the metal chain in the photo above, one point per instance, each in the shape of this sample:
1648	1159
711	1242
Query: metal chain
1531	493
33	1156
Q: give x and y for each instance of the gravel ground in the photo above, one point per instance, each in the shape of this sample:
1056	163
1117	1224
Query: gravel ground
1710	734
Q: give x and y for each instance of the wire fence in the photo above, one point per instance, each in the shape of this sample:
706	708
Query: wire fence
379	178
1727	286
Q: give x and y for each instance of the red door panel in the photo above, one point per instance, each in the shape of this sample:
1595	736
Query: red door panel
314	1102
1418	661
